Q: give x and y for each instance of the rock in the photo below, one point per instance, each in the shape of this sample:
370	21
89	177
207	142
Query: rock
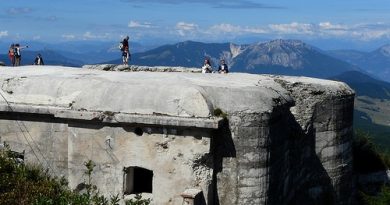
2	63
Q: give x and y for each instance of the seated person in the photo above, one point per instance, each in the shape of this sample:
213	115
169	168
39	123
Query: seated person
223	68
206	68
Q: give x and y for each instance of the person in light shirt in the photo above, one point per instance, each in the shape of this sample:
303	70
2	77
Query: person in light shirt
206	68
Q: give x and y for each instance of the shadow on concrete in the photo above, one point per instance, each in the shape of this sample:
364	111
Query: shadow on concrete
296	174
222	146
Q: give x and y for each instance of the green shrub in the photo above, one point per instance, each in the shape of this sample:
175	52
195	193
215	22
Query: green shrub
367	157
138	200
382	198
28	184
219	113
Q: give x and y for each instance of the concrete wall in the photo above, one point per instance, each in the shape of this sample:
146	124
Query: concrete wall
297	153
179	157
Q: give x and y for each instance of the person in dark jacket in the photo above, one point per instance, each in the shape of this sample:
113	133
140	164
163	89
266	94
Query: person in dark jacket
39	60
125	51
223	68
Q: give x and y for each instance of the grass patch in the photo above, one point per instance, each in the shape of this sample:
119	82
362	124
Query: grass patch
219	113
367	157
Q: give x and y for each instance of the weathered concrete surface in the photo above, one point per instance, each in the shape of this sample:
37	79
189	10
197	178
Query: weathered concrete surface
136	68
286	140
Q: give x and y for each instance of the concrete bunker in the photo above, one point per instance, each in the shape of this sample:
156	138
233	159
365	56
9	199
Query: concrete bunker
250	158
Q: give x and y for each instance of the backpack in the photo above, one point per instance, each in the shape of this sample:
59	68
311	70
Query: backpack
121	47
17	52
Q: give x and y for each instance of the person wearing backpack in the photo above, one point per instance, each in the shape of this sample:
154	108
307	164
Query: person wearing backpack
17	53
124	46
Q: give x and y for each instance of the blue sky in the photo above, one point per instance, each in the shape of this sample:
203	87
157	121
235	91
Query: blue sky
353	21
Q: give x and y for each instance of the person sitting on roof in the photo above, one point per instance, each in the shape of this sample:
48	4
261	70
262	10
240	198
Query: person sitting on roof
223	68
38	60
206	68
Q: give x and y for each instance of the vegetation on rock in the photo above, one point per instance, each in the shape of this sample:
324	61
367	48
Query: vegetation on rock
368	158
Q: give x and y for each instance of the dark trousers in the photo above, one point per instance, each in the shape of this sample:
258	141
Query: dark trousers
18	59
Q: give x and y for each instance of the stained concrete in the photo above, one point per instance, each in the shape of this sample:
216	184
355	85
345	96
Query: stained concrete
284	140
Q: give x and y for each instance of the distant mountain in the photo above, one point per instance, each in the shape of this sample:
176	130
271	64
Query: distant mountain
376	63
92	52
364	85
289	57
372	105
380	133
49	57
186	54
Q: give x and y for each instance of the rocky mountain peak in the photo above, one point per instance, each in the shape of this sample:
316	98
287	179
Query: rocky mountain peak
185	43
236	50
285	53
286	41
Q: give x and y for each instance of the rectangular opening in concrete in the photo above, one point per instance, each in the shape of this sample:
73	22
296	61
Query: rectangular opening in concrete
138	180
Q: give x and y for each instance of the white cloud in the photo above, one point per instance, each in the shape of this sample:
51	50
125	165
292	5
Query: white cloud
68	36
186	28
18	11
233	29
368	35
255	30
3	34
89	36
330	26
36	37
225	28
51	18
293	28
136	24
325	29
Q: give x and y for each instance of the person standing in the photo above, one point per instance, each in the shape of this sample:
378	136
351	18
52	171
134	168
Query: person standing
39	60
223	68
17	53
125	50
11	55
